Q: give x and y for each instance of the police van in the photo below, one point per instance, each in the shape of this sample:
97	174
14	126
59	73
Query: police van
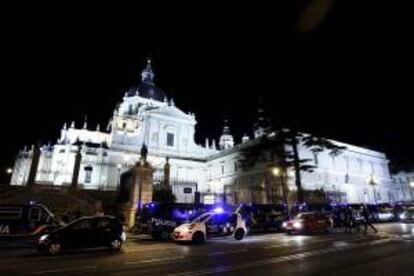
19	221
264	217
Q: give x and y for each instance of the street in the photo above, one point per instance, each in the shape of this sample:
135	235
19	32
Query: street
391	252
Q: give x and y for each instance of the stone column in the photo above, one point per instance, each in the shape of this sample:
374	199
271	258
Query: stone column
167	168
76	168
140	192
33	166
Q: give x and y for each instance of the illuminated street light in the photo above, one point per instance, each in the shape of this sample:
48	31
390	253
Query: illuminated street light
276	171
9	170
412	184
119	167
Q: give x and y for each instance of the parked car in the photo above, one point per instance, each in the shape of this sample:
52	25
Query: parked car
211	224
407	216
307	223
25	221
384	214
86	232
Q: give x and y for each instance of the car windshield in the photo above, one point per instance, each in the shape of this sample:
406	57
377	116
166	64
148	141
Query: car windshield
410	211
202	217
303	216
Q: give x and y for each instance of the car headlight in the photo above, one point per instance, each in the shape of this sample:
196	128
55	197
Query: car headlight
123	237
402	216
297	225
43	238
284	224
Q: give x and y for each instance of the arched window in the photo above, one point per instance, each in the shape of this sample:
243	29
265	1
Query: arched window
170	132
88	174
170	139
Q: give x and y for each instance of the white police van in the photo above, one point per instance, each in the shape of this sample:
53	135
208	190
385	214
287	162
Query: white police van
216	223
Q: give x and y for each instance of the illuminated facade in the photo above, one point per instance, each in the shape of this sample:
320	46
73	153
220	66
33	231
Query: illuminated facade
147	116
404	186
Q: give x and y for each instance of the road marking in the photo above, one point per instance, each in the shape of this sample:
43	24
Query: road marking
277	259
155	260
226	252
65	270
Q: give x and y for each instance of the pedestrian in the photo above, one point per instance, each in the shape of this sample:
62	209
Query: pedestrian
366	214
349	220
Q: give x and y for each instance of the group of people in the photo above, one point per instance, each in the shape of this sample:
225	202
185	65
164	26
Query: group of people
351	222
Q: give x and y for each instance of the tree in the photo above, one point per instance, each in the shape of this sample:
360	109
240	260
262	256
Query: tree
163	195
279	147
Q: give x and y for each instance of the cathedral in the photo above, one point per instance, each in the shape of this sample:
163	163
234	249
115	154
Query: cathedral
148	117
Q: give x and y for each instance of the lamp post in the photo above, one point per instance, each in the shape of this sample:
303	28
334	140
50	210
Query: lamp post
373	183
9	172
118	184
278	173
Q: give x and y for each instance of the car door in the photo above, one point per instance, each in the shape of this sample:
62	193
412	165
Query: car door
104	231
80	234
216	224
322	222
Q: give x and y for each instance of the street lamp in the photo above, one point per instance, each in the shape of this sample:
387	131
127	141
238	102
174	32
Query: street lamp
9	171
412	184
119	167
276	171
372	181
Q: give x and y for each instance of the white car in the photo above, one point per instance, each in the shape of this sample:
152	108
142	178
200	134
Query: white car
211	224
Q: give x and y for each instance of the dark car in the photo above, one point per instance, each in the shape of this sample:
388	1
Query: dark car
86	232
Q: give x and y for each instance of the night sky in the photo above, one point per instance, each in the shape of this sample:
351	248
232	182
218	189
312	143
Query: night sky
341	69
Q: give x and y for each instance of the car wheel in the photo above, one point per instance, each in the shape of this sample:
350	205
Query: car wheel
165	236
54	249
239	235
116	245
198	238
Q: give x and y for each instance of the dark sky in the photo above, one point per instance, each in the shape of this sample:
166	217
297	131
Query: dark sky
342	70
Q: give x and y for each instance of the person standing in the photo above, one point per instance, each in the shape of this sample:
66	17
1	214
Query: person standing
349	220
366	214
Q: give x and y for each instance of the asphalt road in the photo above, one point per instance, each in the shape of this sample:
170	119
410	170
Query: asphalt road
390	252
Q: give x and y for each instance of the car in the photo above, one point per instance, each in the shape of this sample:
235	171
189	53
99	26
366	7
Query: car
85	232
407	216
384	214
211	224
308	222
160	220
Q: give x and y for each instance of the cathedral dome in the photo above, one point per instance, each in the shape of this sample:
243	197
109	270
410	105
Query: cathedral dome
147	88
